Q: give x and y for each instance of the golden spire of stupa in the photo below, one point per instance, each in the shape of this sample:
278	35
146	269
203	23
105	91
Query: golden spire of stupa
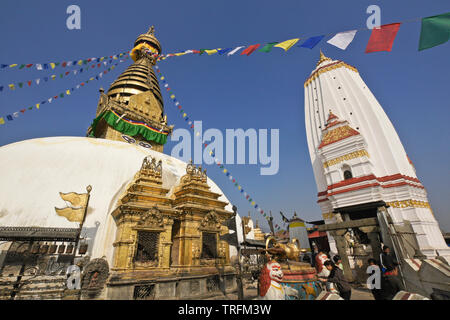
139	77
322	58
135	99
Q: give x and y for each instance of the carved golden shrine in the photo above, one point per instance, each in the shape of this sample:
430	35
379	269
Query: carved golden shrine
162	236
202	217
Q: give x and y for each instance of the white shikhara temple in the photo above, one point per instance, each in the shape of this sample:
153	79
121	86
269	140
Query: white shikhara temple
358	158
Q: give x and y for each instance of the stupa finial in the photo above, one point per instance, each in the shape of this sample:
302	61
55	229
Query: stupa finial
151	30
322	58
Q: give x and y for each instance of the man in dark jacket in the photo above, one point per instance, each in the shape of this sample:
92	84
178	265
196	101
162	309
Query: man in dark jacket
390	283
337	278
387	259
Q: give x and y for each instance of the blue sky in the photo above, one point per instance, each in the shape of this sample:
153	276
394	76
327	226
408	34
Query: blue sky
259	91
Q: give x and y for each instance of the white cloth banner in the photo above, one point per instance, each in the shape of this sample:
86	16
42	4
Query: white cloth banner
342	39
234	51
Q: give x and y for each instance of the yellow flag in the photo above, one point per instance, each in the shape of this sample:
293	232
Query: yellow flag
180	54
37	105
52	65
76	199
53	77
286	45
210	52
102	58
2	121
80	62
73	215
13	65
11	86
68	92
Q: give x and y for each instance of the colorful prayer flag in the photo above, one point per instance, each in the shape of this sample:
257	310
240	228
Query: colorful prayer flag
286	45
234	51
210	52
39	66
268	47
311	42
222	51
342	39
250	49
2	121
52	65
435	31
382	38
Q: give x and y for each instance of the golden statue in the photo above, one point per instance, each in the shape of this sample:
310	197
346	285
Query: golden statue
290	251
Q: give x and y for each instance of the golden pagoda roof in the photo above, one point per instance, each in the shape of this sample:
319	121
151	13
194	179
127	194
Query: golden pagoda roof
139	77
149	38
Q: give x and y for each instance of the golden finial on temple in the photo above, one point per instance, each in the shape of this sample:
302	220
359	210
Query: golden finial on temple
322	58
151	30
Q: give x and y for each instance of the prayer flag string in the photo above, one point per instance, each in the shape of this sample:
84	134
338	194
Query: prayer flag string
67	92
53	65
435	31
38	81
220	165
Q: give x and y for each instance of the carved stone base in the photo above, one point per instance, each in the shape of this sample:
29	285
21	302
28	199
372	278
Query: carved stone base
173	288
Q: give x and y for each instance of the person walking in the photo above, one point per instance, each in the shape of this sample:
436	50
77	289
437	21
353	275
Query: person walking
337	278
390	283
387	259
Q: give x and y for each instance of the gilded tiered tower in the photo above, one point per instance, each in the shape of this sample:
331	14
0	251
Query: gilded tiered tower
133	109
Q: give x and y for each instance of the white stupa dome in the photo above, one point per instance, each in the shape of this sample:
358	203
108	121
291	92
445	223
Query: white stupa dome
35	171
